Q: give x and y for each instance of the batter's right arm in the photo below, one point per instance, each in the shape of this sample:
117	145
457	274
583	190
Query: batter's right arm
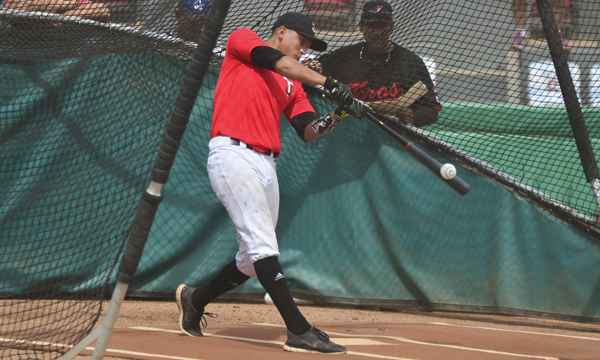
274	60
292	69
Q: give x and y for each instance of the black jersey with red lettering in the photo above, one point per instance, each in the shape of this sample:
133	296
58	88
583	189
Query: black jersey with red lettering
380	77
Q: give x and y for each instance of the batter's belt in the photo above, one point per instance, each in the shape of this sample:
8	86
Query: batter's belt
237	143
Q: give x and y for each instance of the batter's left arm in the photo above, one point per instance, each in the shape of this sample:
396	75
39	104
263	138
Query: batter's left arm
309	126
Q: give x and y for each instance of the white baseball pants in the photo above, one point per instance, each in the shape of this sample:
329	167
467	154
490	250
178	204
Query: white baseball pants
246	183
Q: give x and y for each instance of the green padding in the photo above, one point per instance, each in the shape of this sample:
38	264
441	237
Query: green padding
72	167
542	152
505	119
360	218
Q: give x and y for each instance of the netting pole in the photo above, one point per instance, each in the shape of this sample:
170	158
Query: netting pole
151	198
569	93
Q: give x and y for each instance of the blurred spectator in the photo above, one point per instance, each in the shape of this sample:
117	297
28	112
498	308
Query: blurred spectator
381	70
519	8
336	15
81	8
191	16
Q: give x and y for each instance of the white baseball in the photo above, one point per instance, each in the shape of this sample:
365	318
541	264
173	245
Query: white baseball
448	171
268	299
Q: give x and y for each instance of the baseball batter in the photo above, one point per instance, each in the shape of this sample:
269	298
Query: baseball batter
259	81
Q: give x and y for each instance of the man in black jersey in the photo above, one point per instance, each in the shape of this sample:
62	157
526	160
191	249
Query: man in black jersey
378	69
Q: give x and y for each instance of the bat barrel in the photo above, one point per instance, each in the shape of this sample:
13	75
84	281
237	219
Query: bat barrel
457	184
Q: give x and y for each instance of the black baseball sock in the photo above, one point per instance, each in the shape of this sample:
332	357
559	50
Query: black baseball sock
229	278
270	275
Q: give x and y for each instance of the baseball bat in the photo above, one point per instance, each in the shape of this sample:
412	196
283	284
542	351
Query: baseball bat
457	184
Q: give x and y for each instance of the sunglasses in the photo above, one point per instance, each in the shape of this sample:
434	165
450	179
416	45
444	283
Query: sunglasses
374	16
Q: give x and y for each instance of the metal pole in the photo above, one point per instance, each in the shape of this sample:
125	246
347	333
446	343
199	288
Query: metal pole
151	198
580	133
82	344
109	322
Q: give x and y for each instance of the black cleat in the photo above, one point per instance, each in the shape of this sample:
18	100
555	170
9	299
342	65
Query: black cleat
189	318
312	341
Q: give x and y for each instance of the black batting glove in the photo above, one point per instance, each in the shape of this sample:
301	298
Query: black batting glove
339	90
357	109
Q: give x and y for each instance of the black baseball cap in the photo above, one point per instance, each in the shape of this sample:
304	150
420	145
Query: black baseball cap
376	11
304	26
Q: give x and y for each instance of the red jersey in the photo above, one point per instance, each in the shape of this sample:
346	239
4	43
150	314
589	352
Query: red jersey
249	100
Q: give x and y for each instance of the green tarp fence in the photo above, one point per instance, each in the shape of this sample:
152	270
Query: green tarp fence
361	221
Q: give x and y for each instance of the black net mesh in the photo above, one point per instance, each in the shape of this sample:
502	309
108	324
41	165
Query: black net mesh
492	104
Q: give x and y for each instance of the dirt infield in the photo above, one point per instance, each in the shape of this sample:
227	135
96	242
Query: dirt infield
148	330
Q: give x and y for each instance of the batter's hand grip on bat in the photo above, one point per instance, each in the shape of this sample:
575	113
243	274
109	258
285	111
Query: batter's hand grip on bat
341	91
457	184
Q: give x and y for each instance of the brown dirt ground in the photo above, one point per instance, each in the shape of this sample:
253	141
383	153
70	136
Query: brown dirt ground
164	314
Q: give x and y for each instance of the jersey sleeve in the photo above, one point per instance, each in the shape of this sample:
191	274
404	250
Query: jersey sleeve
241	43
430	99
299	103
264	56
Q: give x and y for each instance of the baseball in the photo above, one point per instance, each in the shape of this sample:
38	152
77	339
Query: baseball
448	171
268	299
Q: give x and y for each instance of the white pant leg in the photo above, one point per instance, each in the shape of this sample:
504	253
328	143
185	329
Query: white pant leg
246	183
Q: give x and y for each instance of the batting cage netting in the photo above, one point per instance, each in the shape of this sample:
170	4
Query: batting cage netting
509	90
